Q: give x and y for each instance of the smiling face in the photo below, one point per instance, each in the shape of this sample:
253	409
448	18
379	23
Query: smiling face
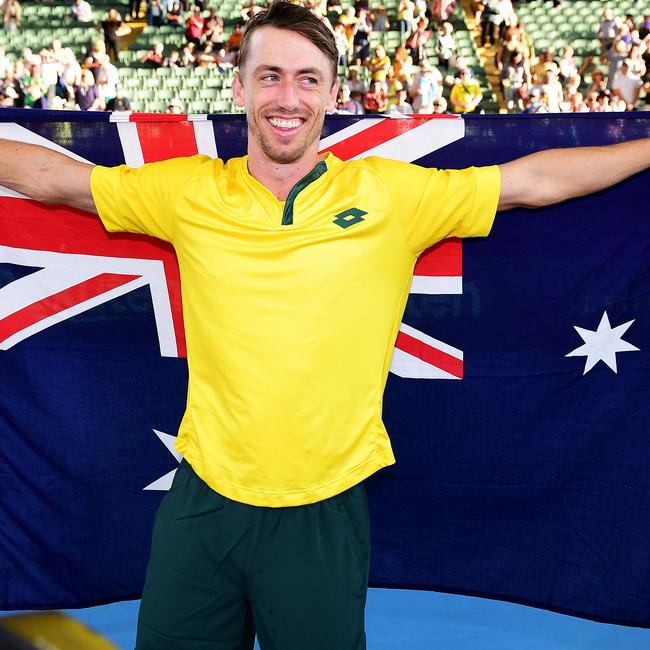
286	87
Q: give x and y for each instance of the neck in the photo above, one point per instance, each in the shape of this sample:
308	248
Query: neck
280	178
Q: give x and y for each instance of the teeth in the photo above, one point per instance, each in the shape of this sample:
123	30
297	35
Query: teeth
284	124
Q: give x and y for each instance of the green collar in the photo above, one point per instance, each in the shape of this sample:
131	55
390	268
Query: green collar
314	174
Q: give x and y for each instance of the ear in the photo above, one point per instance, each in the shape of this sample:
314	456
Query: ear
331	100
238	91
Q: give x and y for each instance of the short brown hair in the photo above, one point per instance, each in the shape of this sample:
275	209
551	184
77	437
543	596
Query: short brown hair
285	15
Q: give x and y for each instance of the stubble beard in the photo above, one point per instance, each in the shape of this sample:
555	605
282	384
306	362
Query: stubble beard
287	154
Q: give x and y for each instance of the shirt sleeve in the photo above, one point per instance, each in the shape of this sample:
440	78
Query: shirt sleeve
434	204
143	200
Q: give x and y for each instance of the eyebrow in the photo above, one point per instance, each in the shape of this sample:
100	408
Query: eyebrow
275	68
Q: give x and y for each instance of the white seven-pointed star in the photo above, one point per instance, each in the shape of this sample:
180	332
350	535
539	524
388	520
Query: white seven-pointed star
603	344
165	482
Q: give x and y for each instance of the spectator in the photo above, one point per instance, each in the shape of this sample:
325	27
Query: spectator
405	18
402	106
426	87
33	86
546	64
376	100
207	58
154	57
361	51
379	65
11	15
213	28
442	10
108	79
403	66
346	104
234	40
567	66
644	27
155	13
71	72
393	86
249	11
379	20
333	12
533	103
356	83
350	21
175	106
607	31
174	16
49	73
194	27
113	28
615	57
508	16
9	98
577	104
134	9
466	94
188	56
86	94
627	85
341	43
491	19
515	77
173	61
120	102
417	41
551	91
82	11
439	105
446	45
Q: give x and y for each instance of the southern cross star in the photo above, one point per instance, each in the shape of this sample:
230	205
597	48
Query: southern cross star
603	344
165	482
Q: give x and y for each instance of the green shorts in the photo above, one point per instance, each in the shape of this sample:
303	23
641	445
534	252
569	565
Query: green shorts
222	571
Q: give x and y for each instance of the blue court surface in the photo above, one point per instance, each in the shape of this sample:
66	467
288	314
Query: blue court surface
416	620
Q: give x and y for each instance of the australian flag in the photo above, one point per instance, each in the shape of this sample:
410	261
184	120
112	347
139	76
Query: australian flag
517	402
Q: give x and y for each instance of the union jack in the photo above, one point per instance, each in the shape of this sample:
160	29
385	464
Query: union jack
82	266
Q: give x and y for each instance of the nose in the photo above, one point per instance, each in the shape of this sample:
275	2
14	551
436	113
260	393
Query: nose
288	98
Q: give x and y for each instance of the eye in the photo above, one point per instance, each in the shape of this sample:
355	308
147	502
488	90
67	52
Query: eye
269	77
310	81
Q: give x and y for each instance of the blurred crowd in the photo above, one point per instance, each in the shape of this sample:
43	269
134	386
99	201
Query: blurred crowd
373	80
549	82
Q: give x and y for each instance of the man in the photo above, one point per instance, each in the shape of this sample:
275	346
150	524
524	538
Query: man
295	270
627	85
466	94
112	27
82	11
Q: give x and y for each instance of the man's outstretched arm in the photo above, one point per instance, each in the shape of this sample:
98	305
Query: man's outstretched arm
45	175
555	175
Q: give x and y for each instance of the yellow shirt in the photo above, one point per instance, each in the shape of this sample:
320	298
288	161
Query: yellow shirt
290	328
465	92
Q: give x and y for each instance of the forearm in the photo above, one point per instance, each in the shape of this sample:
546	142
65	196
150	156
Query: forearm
45	175
556	175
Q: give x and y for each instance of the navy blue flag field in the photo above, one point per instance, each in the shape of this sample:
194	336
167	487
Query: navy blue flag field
517	401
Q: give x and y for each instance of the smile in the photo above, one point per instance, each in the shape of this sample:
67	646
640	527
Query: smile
285	124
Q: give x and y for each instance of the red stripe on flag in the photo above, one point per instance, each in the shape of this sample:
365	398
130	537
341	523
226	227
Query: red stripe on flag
36	226
160	141
443	259
431	355
377	134
60	301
